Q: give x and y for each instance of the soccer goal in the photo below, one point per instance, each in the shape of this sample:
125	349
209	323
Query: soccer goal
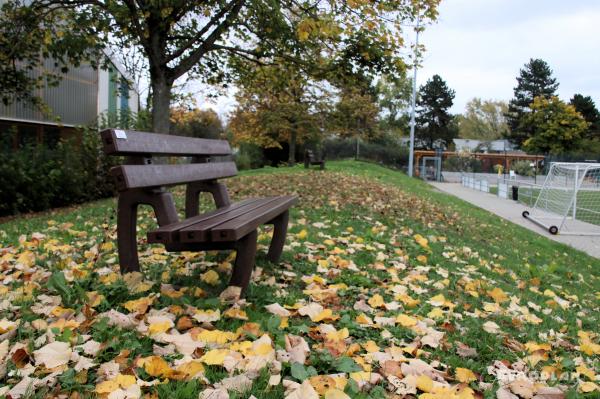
569	200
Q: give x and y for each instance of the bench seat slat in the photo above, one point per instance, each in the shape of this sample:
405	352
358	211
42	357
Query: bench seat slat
129	142
201	231
142	176
170	233
237	228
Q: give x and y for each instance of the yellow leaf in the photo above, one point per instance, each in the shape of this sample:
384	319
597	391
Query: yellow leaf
326	314
160	327
363	319
422	258
588	386
424	383
422	241
215	357
125	380
107	387
405	320
94	298
583	370
191	369
155	366
140	305
465	375
376	301
436	313
498	295
210	277
370	346
236	313
336	394
302	234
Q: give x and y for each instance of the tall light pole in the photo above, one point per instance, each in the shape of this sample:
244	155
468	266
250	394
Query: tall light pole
411	155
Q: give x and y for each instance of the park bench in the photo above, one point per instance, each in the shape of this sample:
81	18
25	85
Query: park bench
311	159
230	226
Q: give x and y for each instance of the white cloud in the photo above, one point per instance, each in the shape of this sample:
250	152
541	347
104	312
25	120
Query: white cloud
479	46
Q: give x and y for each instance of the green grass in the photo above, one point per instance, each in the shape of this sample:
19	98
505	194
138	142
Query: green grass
353	212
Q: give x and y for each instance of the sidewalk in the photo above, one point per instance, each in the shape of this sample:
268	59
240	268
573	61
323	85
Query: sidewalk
511	210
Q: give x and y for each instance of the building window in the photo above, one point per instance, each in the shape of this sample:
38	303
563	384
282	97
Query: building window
124	95
112	91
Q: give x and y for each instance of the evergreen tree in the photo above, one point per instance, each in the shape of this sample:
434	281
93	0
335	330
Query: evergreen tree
434	122
534	80
586	107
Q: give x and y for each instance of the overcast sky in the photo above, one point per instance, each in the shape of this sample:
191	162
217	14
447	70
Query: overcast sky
478	46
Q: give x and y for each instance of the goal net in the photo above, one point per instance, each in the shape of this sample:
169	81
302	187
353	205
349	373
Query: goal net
569	200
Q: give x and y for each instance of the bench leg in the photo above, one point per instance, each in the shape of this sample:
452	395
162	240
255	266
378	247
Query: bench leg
164	209
280	224
126	235
244	261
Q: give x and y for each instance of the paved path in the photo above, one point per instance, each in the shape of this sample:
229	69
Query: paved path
511	210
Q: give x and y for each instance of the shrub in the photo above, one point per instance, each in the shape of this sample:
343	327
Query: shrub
35	177
249	156
390	154
462	164
522	168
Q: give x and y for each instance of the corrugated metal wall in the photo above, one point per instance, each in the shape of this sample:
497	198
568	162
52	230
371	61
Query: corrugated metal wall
72	102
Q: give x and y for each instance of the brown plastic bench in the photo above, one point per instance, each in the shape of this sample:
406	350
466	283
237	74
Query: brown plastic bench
230	226
311	159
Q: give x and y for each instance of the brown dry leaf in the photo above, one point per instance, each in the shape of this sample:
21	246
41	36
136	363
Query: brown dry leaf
304	391
464	350
297	348
278	310
391	367
231	294
491	327
53	355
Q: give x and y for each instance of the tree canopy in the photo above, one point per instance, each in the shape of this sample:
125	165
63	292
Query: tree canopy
435	124
535	80
556	127
483	120
586	107
187	39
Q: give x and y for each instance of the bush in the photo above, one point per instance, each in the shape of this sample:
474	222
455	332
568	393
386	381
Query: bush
523	168
249	156
390	154
462	164
35	177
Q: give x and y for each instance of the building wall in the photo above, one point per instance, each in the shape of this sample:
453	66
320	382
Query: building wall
82	95
72	102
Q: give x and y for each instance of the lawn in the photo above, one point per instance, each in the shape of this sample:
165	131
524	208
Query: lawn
386	288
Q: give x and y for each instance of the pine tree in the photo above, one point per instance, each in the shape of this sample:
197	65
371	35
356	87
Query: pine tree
434	122
586	107
534	80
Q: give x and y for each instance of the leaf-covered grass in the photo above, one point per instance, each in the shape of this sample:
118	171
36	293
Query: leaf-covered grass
405	271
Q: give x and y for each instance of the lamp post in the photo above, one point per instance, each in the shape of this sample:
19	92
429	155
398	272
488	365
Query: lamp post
411	154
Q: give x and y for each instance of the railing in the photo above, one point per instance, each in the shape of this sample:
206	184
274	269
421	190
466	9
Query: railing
475	183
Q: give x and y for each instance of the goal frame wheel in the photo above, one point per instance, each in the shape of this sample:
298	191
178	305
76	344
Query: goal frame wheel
553	230
525	214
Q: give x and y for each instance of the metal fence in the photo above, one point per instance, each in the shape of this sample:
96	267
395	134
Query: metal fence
475	183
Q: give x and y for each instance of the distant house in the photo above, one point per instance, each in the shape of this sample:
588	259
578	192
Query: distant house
82	95
494	146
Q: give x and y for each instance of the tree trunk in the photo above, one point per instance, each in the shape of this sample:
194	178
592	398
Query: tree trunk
161	102
292	145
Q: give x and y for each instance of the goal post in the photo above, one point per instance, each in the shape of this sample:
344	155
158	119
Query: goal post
569	200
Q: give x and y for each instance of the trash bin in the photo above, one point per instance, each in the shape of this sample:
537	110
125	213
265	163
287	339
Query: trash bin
515	193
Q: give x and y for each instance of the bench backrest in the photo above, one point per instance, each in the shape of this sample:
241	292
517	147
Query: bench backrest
138	171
